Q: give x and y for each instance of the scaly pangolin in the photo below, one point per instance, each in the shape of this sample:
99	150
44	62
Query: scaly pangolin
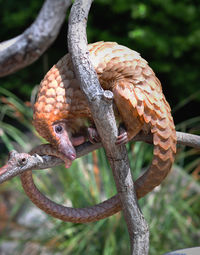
62	117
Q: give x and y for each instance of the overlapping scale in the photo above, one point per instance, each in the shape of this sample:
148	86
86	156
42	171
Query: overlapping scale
138	93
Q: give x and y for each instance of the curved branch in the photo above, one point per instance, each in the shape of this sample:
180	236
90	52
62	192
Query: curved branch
24	49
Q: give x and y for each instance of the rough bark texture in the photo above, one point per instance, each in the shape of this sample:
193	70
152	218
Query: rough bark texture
24	49
102	112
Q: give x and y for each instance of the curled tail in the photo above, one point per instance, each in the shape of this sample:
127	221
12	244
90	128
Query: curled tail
164	140
157	115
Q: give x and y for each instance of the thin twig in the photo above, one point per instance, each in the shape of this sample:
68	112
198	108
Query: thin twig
100	104
24	49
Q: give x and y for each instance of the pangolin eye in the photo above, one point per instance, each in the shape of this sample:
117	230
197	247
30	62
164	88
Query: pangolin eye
58	129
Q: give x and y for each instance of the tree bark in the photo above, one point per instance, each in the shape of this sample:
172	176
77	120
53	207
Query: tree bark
26	48
100	104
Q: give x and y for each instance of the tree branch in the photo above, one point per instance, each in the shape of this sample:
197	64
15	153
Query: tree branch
188	140
38	162
24	49
100	104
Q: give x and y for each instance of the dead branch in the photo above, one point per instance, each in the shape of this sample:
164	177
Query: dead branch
24	49
100	104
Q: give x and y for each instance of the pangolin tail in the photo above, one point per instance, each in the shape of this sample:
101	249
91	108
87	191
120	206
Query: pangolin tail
164	140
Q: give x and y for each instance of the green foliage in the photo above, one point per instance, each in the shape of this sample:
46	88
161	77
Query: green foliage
166	33
14	118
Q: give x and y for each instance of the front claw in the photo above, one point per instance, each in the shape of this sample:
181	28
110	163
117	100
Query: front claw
93	135
123	137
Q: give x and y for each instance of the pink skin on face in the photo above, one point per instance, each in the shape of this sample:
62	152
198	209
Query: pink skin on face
76	141
65	146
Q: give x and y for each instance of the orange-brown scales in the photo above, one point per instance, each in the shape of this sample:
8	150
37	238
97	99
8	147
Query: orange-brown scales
61	112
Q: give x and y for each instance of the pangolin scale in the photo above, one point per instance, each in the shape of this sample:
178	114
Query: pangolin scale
142	106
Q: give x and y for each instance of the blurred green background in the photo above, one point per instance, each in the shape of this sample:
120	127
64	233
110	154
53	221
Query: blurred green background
167	34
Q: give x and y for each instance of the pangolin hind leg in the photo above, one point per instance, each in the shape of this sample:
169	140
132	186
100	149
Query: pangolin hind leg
126	106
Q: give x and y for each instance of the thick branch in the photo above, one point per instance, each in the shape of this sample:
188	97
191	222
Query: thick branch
24	49
100	104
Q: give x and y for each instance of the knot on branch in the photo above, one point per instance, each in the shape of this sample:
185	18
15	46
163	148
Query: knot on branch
17	159
108	96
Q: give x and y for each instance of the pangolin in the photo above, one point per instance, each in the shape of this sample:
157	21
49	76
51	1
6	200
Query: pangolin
62	116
